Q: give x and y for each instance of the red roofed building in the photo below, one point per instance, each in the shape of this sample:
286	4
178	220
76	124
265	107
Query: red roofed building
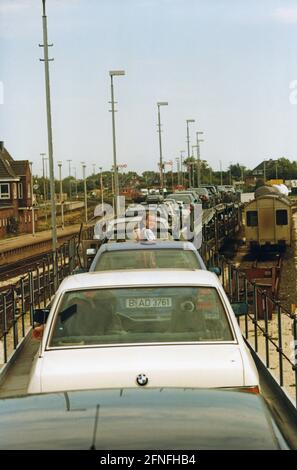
15	194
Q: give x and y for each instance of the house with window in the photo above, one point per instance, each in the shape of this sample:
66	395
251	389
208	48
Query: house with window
15	194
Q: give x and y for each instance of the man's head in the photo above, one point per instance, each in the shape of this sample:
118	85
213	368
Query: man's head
150	220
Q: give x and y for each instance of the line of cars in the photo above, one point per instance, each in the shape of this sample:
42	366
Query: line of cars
147	332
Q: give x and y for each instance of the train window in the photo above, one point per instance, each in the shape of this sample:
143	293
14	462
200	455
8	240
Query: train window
252	218
281	217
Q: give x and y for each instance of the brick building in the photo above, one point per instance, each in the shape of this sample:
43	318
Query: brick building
15	194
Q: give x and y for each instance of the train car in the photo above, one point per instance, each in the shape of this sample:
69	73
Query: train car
268	219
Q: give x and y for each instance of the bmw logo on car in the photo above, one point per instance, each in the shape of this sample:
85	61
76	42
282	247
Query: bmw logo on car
142	379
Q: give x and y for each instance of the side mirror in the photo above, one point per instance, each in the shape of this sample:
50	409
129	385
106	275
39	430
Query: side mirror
40	315
240	308
215	269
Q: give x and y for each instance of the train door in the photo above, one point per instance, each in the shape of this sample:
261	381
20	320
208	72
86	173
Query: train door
266	221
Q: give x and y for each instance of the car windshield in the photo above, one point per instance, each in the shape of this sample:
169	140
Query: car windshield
181	197
147	259
140	315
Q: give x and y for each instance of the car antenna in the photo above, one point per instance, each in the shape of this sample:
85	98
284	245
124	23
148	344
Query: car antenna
93	447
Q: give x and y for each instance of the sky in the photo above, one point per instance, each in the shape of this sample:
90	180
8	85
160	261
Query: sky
229	64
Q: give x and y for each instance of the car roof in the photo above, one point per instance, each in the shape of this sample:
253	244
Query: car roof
167	418
138	277
152	245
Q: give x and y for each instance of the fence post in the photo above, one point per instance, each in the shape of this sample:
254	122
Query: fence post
255	321
14	318
295	353
23	305
266	334
5	329
245	286
280	345
31	288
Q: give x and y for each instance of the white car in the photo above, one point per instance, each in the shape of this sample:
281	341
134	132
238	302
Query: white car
156	328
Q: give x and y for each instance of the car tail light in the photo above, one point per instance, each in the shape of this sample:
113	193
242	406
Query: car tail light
254	389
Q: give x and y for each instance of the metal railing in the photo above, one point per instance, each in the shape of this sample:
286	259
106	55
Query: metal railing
269	328
34	289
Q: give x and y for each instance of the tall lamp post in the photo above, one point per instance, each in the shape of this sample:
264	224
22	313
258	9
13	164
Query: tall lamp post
221	172
44	184
46	61
198	157
69	166
182	166
188	144
193	170
178	170
159	104
113	73
101	186
85	190
32	198
61	194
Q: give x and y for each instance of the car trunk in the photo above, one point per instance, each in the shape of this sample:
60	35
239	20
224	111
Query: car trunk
181	365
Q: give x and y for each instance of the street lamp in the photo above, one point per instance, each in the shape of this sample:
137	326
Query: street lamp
113	73
69	163
188	143
85	190
46	61
61	194
161	103
178	171
44	184
101	186
181	166
32	197
198	157
193	172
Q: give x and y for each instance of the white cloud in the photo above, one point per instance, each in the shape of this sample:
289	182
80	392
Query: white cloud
286	14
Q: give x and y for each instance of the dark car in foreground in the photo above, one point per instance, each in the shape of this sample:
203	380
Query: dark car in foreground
139	418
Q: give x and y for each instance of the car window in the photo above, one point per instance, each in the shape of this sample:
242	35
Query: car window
182	197
140	315
147	259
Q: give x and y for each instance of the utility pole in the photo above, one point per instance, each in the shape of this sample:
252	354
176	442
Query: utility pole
178	170
198	157
44	185
188	145
113	73
69	163
161	103
46	61
101	186
221	172
61	194
85	190
182	166
32	199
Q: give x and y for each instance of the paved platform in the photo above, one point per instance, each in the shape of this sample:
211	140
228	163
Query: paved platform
8	244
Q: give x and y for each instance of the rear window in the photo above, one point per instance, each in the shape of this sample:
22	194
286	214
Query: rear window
140	315
147	259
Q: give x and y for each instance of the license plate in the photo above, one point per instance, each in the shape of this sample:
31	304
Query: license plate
149	302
